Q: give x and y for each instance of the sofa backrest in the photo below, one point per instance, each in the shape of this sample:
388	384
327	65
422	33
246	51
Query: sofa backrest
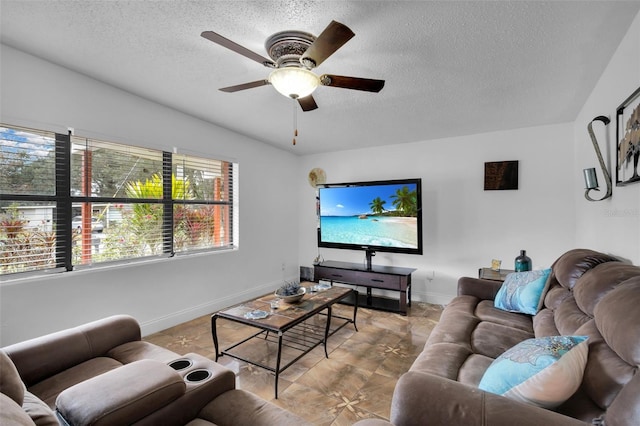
42	357
596	295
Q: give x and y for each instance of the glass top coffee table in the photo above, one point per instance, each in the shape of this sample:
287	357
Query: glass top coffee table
297	327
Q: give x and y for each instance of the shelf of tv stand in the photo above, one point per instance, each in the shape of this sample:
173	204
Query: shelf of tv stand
381	277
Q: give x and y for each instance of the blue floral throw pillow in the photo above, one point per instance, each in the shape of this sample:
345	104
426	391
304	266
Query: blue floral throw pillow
522	291
543	372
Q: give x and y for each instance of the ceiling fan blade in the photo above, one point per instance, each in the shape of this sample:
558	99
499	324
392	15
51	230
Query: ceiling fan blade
307	103
231	45
330	40
355	83
245	86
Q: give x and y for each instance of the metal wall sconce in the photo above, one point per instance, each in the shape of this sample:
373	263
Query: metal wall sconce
590	178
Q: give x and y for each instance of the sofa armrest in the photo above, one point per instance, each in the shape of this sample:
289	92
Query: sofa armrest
239	407
120	396
42	357
482	289
205	380
421	398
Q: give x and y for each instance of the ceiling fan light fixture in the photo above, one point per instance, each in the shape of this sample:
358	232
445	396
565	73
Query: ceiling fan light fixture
294	82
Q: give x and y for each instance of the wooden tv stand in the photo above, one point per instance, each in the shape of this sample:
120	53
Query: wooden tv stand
382	277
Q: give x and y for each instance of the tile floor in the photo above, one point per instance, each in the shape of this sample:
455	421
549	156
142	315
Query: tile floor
354	383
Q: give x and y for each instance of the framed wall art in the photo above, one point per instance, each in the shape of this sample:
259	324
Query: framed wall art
628	140
500	175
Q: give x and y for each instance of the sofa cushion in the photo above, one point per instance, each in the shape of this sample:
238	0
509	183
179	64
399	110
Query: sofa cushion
48	389
443	359
618	319
543	372
574	263
473	369
39	412
13	414
522	291
138	350
485	311
10	382
555	296
457	322
599	281
605	373
625	410
492	340
568	317
544	324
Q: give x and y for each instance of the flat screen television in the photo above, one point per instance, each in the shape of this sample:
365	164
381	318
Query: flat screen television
383	216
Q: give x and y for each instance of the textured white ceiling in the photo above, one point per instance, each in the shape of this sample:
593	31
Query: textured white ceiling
451	68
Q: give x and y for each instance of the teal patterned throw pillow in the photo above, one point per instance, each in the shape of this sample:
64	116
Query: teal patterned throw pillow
543	372
522	291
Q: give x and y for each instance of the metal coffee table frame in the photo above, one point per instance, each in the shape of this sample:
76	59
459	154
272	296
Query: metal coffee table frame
287	327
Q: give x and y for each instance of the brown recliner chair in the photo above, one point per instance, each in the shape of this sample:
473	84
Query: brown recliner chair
102	373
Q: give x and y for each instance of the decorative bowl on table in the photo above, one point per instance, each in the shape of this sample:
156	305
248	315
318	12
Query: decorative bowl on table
291	293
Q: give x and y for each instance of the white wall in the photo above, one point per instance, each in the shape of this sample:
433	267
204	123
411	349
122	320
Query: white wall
39	94
611	225
464	226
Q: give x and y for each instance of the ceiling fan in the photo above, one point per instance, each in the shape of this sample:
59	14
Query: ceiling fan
293	55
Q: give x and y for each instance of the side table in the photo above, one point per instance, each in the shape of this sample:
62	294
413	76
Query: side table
490	274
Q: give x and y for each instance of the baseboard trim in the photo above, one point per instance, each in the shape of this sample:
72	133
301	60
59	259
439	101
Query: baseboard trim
431	297
207	308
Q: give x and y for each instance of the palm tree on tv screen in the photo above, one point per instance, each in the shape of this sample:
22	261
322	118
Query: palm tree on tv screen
405	201
377	205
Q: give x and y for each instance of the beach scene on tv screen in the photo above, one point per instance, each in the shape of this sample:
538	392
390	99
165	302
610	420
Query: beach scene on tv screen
375	215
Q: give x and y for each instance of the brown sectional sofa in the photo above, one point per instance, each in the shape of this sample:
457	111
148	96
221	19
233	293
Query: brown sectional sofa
590	293
102	373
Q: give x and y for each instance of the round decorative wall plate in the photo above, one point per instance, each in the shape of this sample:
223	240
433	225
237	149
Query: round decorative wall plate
317	176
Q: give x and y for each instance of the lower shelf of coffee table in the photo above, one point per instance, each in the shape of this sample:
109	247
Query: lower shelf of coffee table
296	342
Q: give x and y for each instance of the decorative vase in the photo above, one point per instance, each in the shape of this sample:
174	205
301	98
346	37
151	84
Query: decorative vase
523	262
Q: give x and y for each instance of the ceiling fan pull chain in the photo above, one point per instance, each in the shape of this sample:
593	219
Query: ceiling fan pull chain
295	120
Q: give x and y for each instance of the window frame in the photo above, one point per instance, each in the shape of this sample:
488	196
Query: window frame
64	203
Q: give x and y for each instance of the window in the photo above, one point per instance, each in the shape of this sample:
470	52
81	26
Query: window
202	209
69	201
27	201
